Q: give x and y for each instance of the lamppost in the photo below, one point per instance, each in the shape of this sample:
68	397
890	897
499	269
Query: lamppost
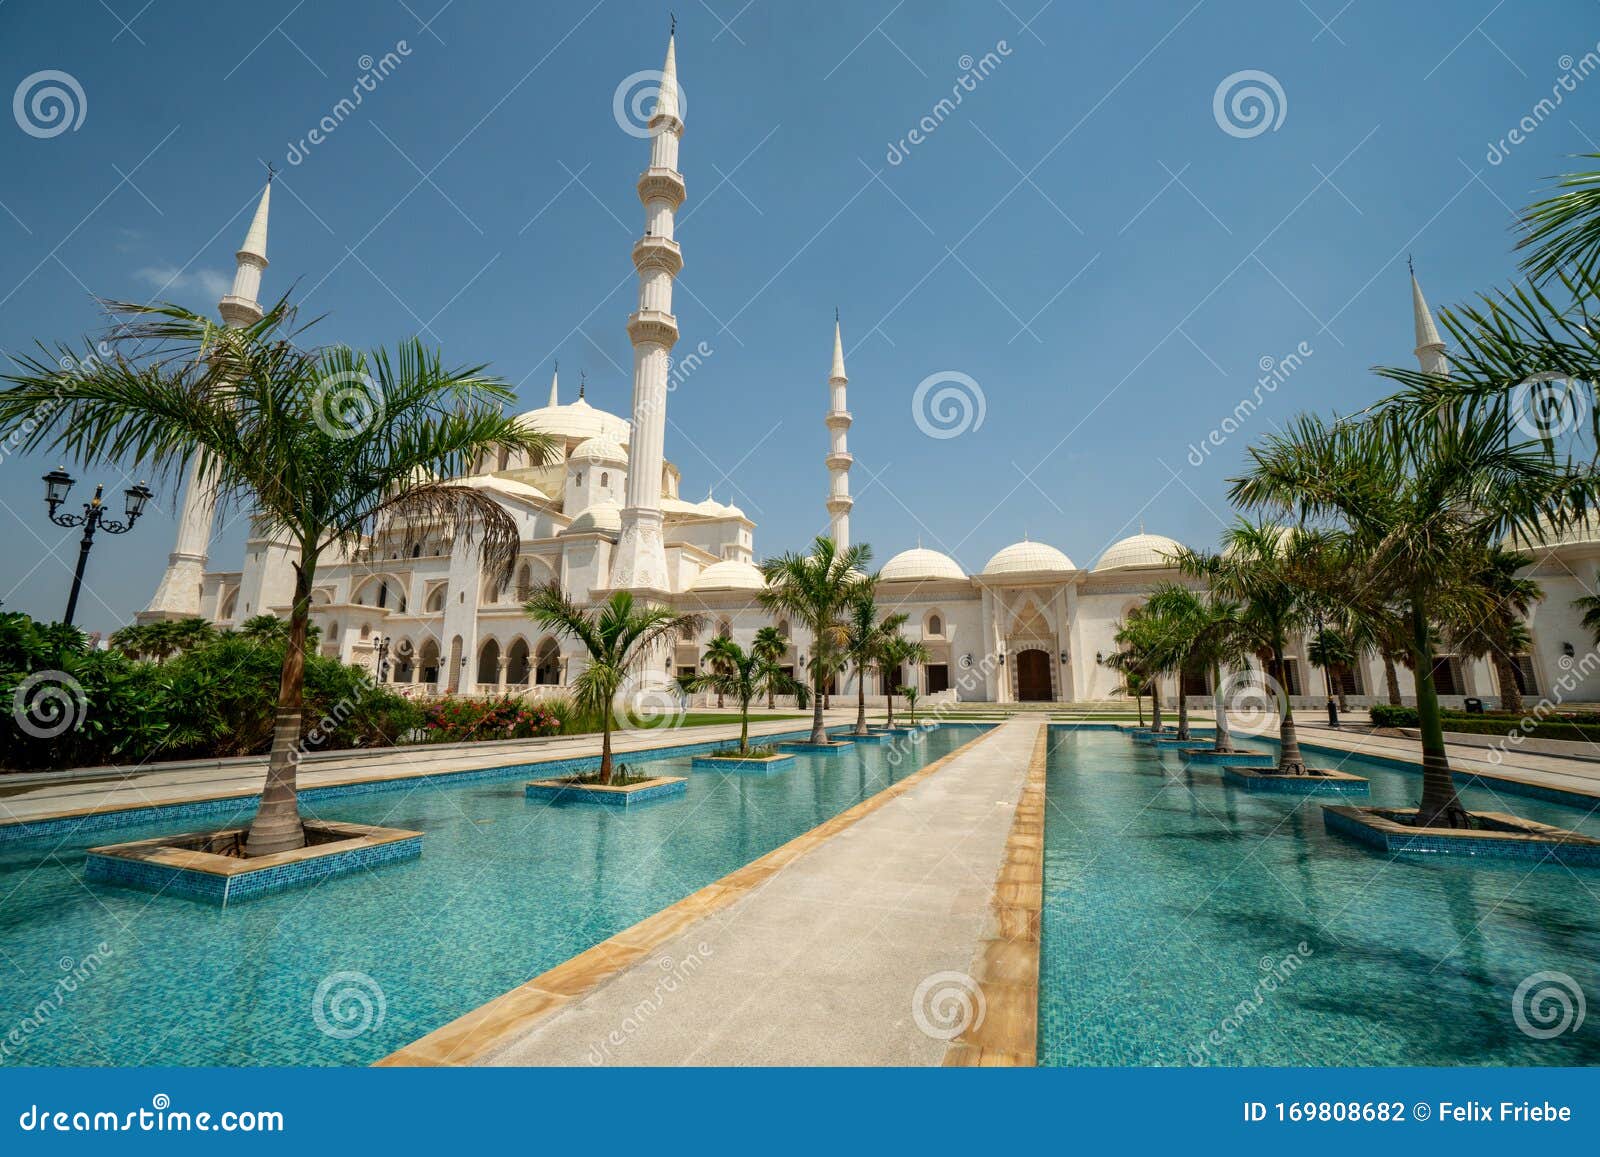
382	649
56	485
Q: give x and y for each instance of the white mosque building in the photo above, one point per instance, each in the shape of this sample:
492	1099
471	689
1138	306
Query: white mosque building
607	513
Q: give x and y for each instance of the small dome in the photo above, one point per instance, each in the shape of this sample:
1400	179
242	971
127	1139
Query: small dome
730	575
1584	530
1139	551
601	518
1027	557
919	563
600	449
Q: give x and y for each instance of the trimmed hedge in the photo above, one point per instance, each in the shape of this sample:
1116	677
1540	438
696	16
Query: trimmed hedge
1493	723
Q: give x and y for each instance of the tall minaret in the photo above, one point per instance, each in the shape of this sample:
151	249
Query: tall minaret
838	460
178	596
640	562
1430	350
555	392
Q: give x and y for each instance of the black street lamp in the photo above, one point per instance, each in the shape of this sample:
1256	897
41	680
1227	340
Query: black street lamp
382	649
56	485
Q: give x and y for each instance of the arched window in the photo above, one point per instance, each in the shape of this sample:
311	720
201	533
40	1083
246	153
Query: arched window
383	594
517	663
783	627
935	625
725	629
577	479
605	478
428	661
489	663
436	598
416	550
548	673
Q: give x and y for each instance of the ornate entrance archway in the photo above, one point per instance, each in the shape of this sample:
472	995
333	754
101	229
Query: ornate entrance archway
1033	676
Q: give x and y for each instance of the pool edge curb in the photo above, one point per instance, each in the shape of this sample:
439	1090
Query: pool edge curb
1006	965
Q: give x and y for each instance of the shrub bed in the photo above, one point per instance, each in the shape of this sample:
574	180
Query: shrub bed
1564	726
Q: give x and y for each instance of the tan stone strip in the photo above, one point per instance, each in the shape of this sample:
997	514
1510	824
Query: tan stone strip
486	1028
1006	966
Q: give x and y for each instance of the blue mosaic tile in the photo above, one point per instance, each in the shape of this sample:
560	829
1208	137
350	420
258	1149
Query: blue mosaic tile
1206	755
1292	784
743	766
1405	843
568	794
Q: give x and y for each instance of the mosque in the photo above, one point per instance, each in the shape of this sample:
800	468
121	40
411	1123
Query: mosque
607	513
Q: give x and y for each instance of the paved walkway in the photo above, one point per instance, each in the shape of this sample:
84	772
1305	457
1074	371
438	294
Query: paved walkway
819	963
79	790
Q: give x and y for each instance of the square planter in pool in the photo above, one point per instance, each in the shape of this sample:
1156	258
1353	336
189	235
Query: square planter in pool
1173	741
1316	781
209	866
752	765
869	737
810	748
606	794
1501	836
1230	758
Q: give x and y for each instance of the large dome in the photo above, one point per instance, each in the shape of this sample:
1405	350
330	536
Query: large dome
1027	558
730	575
920	563
1140	551
579	420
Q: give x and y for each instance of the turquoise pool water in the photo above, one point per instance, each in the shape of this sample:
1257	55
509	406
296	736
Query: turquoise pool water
505	889
1189	922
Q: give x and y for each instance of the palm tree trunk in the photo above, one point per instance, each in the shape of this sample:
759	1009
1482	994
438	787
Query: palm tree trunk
889	695
1222	739
1139	699
1440	806
1391	677
861	700
1510	693
277	826
1183	710
818	733
1155	704
1290	761
605	745
744	727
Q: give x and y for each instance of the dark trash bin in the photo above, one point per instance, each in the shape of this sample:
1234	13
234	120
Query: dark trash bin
1475	706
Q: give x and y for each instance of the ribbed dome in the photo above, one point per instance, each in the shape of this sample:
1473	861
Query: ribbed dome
600	449
1139	550
730	575
920	563
578	420
602	517
1584	530
1024	557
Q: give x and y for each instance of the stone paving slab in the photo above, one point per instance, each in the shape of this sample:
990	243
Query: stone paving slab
819	964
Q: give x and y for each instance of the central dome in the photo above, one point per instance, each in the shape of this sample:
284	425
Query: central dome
578	421
1027	558
920	563
730	575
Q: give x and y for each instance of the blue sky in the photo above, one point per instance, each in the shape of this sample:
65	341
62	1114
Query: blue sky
1080	237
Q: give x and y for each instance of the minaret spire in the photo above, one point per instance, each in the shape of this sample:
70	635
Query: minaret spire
1430	350
838	459
640	560
178	595
555	379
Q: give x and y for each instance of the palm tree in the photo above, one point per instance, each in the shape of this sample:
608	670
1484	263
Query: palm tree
1263	567
719	660
771	645
1503	632
818	589
1178	615
1138	657
739	673
893	652
620	636
1419	492
1132	682
864	635
324	446
910	694
1332	652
